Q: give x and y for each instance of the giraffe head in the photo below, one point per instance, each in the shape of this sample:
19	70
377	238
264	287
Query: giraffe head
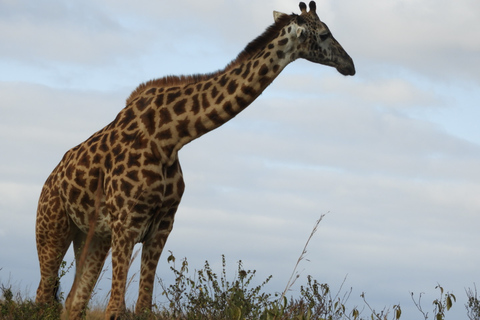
316	43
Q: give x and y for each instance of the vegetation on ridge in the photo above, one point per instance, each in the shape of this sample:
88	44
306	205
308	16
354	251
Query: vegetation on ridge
209	295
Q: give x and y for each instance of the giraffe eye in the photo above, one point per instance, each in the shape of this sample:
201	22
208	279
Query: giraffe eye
324	36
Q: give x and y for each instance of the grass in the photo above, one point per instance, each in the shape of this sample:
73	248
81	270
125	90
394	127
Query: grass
207	294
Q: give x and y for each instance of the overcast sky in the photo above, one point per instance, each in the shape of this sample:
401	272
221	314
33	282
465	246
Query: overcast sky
392	154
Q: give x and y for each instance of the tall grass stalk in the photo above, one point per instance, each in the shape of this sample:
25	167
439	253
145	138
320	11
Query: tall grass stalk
295	274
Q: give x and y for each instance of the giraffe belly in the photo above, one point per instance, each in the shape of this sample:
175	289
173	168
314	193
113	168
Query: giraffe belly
149	213
84	219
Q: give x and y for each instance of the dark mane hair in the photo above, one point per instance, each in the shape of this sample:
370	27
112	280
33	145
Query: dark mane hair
250	50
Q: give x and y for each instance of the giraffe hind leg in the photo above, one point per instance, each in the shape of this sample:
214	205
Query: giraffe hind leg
54	234
49	288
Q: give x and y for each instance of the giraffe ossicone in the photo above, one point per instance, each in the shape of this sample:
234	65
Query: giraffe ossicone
124	183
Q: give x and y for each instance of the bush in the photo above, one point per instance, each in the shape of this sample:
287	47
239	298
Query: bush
209	296
13	307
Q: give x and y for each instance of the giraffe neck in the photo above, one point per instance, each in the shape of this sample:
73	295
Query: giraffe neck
188	108
224	96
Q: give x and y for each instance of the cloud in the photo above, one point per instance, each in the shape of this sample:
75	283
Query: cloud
61	32
435	39
39	124
391	153
316	132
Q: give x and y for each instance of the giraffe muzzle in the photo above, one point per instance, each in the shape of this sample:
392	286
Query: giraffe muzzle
347	69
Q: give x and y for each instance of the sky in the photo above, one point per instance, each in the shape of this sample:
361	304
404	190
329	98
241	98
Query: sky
391	155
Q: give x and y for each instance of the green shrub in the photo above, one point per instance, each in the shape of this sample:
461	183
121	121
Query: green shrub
212	296
14	307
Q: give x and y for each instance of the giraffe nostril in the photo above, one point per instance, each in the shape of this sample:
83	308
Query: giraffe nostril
353	71
347	70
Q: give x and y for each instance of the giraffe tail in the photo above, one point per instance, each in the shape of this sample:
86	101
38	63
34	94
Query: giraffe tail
57	291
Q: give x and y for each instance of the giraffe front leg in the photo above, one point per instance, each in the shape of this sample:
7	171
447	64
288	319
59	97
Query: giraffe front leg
151	251
86	275
122	248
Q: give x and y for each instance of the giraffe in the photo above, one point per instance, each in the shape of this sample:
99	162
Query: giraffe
124	183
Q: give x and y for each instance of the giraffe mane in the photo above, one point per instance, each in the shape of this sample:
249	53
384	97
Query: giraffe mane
250	50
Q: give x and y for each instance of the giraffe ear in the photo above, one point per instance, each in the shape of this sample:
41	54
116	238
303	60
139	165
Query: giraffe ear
277	15
301	34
